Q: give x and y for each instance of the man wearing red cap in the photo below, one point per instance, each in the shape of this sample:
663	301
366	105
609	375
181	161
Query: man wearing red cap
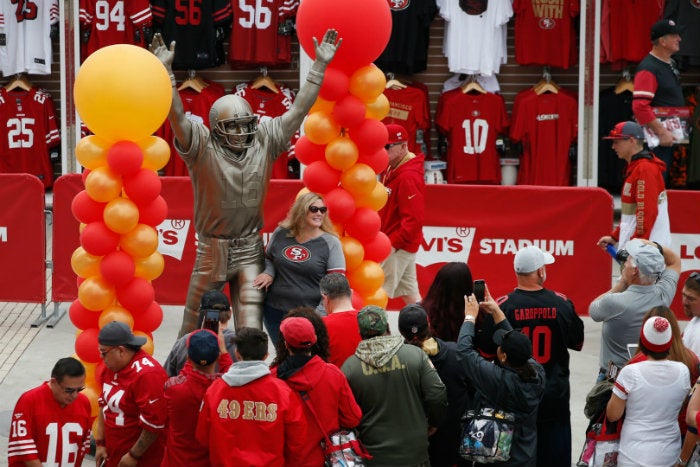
403	215
644	200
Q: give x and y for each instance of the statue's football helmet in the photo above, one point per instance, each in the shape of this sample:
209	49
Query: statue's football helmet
233	121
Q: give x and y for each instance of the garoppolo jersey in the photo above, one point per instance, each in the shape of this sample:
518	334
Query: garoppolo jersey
42	430
30	120
114	22
25	36
472	121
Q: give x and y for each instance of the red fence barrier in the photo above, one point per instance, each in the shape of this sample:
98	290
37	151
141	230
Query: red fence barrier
22	239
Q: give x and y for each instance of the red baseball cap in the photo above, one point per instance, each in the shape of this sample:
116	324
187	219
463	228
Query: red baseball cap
298	332
397	134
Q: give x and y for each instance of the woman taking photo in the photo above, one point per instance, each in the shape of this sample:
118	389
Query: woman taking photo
515	383
301	251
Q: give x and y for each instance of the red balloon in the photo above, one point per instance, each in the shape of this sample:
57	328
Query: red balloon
335	84
81	317
378	160
98	240
136	296
320	177
379	248
125	157
364	26
86	345
349	111
154	212
307	152
149	319
85	174
357	301
370	136
363	225
86	209
118	268
340	203
143	186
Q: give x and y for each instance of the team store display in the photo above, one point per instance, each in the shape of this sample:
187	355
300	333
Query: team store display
487	112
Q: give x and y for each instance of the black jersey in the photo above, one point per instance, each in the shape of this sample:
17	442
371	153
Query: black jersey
192	25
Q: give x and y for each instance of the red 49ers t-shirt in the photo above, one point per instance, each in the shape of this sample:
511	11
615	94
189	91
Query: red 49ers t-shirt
544	32
409	108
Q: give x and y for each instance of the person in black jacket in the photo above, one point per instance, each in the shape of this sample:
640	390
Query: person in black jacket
514	384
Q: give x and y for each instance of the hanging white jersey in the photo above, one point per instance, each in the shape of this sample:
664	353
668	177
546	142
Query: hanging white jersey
25	42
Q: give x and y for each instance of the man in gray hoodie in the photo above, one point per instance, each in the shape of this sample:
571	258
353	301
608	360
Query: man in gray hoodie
399	391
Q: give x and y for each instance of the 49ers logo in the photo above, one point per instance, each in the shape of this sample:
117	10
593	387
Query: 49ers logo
296	253
398	5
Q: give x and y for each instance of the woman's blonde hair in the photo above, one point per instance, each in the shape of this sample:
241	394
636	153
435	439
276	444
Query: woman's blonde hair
296	217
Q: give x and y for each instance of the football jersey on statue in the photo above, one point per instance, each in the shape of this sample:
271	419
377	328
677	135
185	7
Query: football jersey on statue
25	35
472	121
255	39
114	22
544	32
192	25
29	118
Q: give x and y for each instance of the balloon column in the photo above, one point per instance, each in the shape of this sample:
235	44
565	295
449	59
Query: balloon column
343	144
123	94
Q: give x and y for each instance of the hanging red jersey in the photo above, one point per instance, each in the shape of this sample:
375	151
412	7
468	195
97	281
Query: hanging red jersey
625	35
409	108
108	22
472	121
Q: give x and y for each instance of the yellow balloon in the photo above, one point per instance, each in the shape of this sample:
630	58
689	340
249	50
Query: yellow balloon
353	251
90	376
320	128
376	199
95	293
378	108
148	347
367	83
84	264
322	105
301	192
156	152
121	215
150	267
92	395
103	185
378	298
91	152
140	242
116	313
359	180
341	153
112	98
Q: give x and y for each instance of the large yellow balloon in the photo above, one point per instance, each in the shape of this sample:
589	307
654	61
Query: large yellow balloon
121	215
156	152
91	152
112	97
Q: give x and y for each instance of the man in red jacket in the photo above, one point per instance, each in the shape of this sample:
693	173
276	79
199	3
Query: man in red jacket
403	215
184	394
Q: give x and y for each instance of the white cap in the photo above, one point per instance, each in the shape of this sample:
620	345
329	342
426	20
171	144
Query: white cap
530	259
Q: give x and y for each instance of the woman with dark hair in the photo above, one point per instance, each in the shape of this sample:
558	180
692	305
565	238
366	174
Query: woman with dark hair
319	348
444	301
301	250
650	394
514	382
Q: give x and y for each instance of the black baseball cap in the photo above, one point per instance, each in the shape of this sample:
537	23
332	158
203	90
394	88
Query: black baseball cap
214	300
515	344
664	27
203	346
413	320
118	333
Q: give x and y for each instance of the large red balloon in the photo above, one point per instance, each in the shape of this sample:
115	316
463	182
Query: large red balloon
378	249
154	212
340	203
307	152
98	240
86	209
86	345
370	136
136	296
363	225
125	157
364	26
81	317
143	186
320	177
149	319
118	268
335	84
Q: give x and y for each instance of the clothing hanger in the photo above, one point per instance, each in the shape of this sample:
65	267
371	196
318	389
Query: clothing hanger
19	81
264	81
546	84
393	83
193	82
473	85
625	83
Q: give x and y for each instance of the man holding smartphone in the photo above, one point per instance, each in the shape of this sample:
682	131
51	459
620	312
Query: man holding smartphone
214	314
549	319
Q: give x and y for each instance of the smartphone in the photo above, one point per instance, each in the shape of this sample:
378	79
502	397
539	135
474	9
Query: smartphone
479	290
211	320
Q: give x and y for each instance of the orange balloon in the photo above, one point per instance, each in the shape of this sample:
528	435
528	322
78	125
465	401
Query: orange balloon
91	152
116	313
150	267
140	242
378	298
341	153
353	251
95	428
376	199
84	264
368	277
359	180
156	152
92	395
367	83
320	128
148	347
322	105
96	294
103	185
378	108
90	376
121	215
